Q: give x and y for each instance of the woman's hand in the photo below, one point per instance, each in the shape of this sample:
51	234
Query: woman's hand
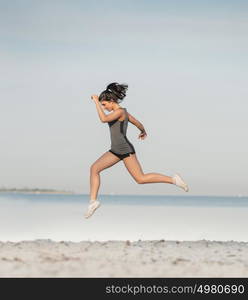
142	135
94	97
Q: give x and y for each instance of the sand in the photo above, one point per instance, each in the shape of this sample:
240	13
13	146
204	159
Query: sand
149	258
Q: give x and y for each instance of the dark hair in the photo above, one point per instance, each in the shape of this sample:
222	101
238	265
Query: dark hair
115	92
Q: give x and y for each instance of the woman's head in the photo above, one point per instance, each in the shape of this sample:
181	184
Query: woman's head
113	95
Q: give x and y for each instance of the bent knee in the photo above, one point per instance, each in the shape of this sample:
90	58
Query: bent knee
140	180
94	169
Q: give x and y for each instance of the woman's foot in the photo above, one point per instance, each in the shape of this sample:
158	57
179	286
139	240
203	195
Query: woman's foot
94	204
177	180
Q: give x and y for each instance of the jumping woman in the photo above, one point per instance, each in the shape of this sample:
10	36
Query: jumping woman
121	148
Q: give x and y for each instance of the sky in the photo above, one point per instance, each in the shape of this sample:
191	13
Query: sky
185	63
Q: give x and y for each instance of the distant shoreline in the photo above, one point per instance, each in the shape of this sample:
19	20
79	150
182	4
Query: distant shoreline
36	191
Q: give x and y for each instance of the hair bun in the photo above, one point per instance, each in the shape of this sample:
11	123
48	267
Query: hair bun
117	89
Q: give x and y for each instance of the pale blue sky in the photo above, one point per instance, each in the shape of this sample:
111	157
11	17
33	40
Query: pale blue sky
186	66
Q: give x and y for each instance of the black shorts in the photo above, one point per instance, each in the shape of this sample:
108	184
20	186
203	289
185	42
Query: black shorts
121	156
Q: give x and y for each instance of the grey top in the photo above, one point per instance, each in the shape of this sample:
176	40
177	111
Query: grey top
119	142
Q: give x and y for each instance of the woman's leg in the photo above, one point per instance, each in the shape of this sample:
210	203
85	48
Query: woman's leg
107	160
134	168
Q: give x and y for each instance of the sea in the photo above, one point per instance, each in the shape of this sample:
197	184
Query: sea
60	217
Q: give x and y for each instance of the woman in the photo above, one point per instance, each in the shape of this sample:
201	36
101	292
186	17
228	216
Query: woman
121	148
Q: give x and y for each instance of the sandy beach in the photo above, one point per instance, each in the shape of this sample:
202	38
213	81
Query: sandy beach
149	258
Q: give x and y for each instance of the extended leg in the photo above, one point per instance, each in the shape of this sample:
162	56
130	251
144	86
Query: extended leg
107	160
134	168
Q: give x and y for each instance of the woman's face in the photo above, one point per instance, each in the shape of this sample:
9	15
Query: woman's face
108	105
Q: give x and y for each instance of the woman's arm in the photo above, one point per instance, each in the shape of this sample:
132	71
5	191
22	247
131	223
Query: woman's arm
103	117
135	122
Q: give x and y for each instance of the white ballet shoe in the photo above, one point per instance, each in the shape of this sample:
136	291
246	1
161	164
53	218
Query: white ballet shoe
177	180
92	208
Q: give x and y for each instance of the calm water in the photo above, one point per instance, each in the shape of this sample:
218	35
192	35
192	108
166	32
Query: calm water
122	217
150	200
